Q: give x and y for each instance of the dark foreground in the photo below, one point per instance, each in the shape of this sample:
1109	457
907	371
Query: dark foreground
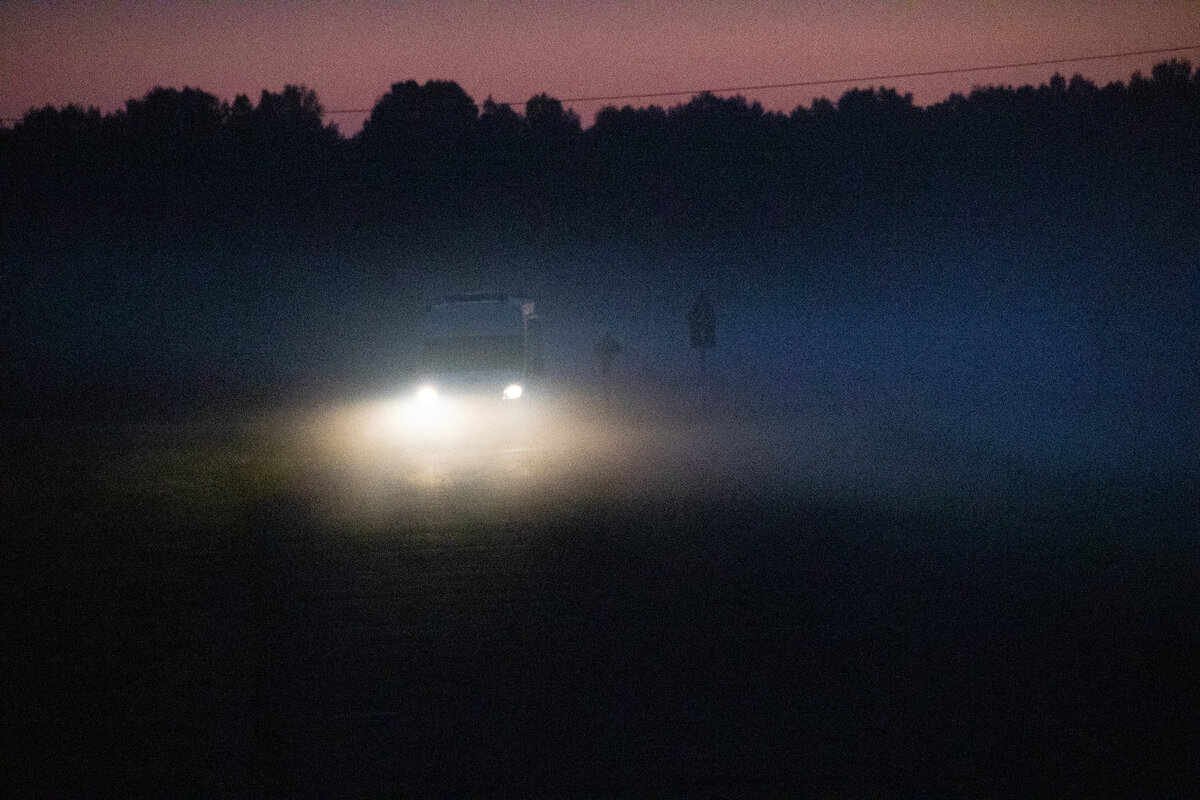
237	640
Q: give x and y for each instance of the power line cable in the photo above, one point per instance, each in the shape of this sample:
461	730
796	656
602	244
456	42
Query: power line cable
887	77
822	81
834	81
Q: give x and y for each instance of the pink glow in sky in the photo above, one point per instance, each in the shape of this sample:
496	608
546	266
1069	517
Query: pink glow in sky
104	53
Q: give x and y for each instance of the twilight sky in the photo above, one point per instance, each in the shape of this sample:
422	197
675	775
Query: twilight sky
104	53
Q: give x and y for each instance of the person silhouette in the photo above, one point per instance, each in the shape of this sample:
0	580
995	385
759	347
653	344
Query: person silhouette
702	327
606	350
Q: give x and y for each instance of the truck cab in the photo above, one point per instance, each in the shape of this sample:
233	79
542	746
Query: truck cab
480	346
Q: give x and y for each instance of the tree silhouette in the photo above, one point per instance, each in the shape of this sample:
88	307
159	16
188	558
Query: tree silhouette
499	125
176	127
548	122
418	142
713	163
437	115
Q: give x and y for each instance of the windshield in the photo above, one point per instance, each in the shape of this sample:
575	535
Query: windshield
472	353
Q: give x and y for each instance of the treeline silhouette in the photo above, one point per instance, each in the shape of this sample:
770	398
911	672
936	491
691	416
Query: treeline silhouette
429	153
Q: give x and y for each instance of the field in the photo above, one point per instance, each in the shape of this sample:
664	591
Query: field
649	600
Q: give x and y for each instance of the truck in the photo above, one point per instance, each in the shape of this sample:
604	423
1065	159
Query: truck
482	345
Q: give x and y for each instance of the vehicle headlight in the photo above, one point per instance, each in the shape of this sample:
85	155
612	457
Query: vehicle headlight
513	391
427	395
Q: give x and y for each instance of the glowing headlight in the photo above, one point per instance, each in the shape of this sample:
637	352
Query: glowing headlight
427	395
512	391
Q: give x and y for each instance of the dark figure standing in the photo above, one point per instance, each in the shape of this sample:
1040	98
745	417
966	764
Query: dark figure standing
702	327
607	348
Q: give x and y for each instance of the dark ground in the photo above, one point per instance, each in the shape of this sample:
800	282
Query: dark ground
190	622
